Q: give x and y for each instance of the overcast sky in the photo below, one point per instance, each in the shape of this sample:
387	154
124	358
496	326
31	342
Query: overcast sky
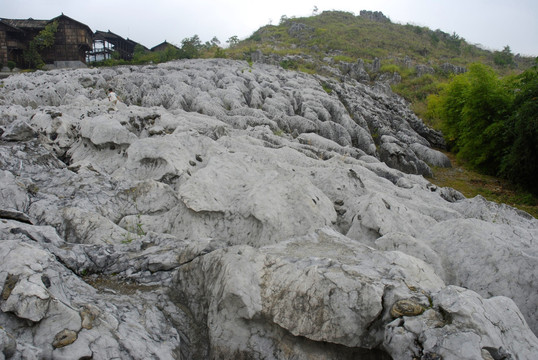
490	23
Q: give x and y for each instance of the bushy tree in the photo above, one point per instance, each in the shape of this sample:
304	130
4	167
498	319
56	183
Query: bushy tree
32	57
454	42
11	65
503	58
139	53
473	109
520	164
44	39
190	47
170	53
215	41
492	123
233	40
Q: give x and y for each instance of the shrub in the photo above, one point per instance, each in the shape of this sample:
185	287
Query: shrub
520	164
389	68
503	58
327	88
44	39
288	64
473	109
492	122
220	53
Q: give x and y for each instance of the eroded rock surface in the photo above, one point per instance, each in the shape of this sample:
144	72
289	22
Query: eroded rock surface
236	211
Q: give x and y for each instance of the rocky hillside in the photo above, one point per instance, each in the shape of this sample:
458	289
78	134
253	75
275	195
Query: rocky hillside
341	37
226	210
416	61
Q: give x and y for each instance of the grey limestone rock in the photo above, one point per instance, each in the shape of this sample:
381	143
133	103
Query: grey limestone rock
400	157
53	299
430	156
452	306
233	210
18	131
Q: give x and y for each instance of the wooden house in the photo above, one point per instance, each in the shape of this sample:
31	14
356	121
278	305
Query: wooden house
72	41
107	45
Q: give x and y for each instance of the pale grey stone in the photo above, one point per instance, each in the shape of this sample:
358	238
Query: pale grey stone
243	209
18	131
430	156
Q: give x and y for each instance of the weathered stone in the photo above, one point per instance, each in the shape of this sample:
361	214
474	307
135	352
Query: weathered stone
430	156
423	69
19	131
406	307
87	316
8	344
64	338
300	30
454	69
9	285
288	238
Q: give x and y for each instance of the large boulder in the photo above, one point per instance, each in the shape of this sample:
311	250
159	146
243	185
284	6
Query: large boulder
336	296
52	313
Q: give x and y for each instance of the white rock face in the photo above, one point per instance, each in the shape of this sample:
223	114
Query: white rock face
236	211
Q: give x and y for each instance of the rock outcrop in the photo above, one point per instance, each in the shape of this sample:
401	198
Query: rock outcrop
234	211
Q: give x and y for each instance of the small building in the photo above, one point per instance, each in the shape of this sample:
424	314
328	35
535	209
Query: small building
107	45
73	40
163	46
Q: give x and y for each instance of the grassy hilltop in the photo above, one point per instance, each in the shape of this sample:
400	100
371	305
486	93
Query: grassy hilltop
345	37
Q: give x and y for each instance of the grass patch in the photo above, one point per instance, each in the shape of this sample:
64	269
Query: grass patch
471	183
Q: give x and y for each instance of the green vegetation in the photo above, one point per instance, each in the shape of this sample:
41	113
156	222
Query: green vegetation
520	162
346	36
503	58
43	40
471	183
492	123
134	228
327	88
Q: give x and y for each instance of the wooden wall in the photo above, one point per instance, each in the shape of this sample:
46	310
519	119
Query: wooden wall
71	43
12	44
3	47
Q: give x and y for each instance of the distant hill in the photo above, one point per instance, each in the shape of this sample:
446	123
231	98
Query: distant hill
337	39
367	36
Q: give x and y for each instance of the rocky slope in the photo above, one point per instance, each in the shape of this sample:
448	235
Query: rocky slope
236	211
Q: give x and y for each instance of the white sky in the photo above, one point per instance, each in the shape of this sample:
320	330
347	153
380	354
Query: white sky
491	23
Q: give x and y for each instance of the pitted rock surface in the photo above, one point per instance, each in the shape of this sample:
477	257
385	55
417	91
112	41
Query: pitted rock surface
233	210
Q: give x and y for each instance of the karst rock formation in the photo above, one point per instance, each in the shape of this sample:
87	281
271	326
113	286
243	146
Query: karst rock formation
227	210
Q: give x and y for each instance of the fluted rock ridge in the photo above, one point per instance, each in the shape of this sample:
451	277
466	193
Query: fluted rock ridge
227	210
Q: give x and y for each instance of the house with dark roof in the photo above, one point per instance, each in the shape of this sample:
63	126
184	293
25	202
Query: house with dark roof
163	46
73	40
